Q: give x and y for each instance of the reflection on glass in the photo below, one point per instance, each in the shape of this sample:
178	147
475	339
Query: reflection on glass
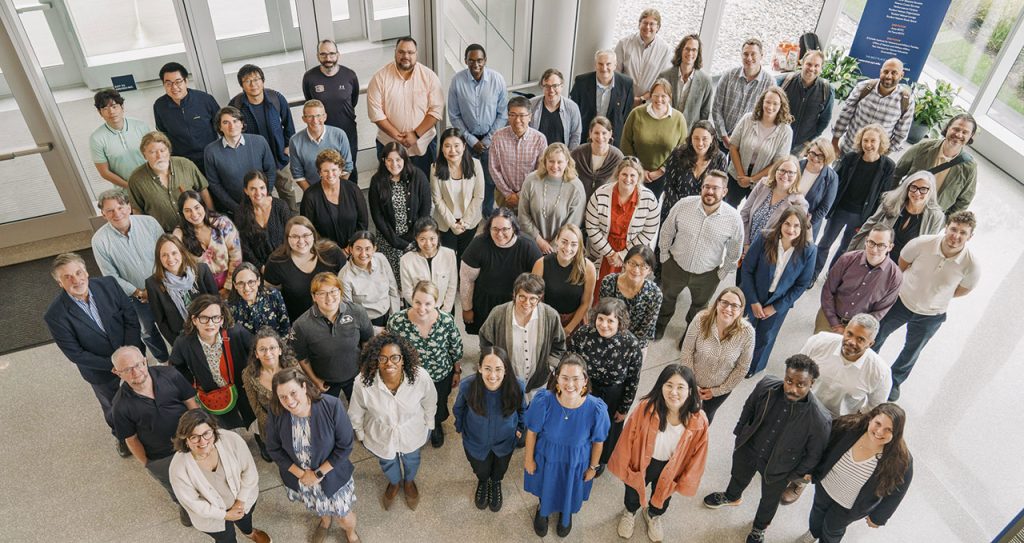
112	31
235	18
389	9
1008	107
490	23
247	34
846	26
762	19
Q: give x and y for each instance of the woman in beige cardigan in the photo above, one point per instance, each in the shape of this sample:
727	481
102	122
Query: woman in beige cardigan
457	189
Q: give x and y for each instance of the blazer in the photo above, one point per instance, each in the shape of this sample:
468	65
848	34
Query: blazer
188	357
822	193
444	202
497	331
166	315
382	209
698	102
568	111
443	271
200	499
957	190
330	440
78	337
762	192
756	276
584	93
643	226
882	182
933	219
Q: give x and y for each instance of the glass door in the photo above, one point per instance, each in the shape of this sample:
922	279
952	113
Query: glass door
387	19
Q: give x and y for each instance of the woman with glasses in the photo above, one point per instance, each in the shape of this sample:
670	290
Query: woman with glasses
399	196
635	287
255	305
270	355
771	198
760	138
686	167
178	278
368	281
457	190
552	197
911	210
818	181
261	219
293	265
569	278
336	209
209	236
651	132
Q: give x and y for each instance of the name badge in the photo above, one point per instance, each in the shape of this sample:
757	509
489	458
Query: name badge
345	319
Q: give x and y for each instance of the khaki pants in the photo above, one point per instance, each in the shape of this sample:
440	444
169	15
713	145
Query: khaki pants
821	323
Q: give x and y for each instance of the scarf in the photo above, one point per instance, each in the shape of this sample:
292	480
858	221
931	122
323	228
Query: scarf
180	289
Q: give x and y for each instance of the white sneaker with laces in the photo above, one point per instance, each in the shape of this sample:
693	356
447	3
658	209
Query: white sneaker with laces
626	524
654	531
807	538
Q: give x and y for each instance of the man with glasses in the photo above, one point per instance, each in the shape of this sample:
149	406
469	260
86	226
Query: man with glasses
557	117
337	88
514	153
862	281
306	144
185	115
810	99
146	411
115	144
644	55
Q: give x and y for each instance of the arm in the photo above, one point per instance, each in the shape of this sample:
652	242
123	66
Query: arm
455	113
234	251
739	370
634	361
474	213
135	446
589	279
67	341
525	200
689	480
385	228
881	513
718	109
106	173
494	165
529	460
733	250
342	439
428	401
109	269
357	408
598	237
817	438
396	301
846	114
904	265
802	281
737	161
961	291
902	128
689	346
406	279
668	233
825	116
575	127
831	287
268	163
460	408
626	138
468	274
966	196
444	215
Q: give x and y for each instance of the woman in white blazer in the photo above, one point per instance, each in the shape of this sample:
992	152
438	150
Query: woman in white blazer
457	189
430	262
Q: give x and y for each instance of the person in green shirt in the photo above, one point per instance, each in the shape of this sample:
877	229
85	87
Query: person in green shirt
154	186
955	170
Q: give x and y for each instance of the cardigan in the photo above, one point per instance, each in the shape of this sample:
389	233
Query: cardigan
389	424
758	196
568	112
643	226
822	193
541	219
382	208
933	220
620	102
166	315
497	331
744	138
652	140
697	106
957	190
756	276
493	432
881	182
442	270
590	178
472	200
351	216
330	440
205	506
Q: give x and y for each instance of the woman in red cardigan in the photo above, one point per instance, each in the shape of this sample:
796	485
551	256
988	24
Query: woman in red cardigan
664	445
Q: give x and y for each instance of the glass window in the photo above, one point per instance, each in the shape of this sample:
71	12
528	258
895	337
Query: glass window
846	26
247	34
235	18
339	10
678	18
41	37
112	31
762	19
34	194
491	24
1008	107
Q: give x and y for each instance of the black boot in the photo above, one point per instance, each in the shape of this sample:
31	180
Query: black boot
495	496
563	531
483	490
437	437
263	449
540	524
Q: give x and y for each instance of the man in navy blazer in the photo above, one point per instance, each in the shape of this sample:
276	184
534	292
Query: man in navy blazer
590	91
90	320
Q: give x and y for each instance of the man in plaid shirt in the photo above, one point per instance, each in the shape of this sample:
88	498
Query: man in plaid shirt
881	101
514	153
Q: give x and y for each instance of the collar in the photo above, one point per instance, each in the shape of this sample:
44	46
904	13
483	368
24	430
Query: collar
316	140
650	111
604	87
533	317
486	77
241	141
937	248
317	314
123	130
88	298
838	352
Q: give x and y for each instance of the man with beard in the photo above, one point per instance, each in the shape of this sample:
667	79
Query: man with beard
955	171
337	88
876	101
810	99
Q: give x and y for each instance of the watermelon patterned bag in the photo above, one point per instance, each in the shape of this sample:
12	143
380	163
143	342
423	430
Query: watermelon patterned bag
220	400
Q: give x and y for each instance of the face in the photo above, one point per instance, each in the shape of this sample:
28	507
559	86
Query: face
791	228
712	191
555	164
394	163
518	119
526	302
637	269
230	127
112	113
74	279
158	156
890	74
728	308
959	132
423	304
132	368
170	257
600	136
856	340
175	85
771	104
293	397
252	85
117	214
605	67
957	235
213	318
193	211
300	239
797	384
256	190
390	361
811	68
453	148
815	158
200	441
870	143
492	371
567	245
405	55
327	54
751	56
880	429
690	51
918	191
701	141
648	28
607	325
330	173
247	284
552	86
675	391
268	351
362	252
571	381
476	61
327	298
786	175
877	247
427	242
628	179
659	97
314	117
501	231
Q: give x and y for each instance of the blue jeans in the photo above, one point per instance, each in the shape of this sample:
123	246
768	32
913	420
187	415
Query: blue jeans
394	468
150	333
765	332
920	329
423	162
840	222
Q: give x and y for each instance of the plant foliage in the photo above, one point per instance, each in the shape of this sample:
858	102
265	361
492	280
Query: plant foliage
842	71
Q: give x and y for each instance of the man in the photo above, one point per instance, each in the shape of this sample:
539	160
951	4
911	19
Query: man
477	107
405	101
185	115
701	241
603	92
556	117
124	250
644	55
266	112
810	99
337	88
514	153
738	90
780	416
154	187
936	269
862	281
115	144
691	86
90	320
956	172
146	412
306	144
880	101
232	156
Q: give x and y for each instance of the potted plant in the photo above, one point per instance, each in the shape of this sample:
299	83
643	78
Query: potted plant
932	107
842	71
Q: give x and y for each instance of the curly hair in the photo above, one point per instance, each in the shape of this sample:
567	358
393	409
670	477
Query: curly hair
286	358
783	116
370	365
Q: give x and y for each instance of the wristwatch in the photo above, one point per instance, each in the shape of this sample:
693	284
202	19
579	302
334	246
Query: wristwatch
595	467
319	474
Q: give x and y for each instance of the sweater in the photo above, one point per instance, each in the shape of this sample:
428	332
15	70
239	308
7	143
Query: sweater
697	106
652	140
497	331
547	204
226	166
590	177
744	137
957	189
643	226
202	502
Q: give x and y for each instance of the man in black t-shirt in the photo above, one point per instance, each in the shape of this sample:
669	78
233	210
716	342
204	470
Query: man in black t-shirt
338	88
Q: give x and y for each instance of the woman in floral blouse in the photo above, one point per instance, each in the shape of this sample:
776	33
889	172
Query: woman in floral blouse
210	236
437	339
254	305
634	286
269	356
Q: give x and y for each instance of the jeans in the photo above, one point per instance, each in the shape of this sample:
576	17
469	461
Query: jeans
920	329
828	520
150	333
492	468
674	279
402	467
485	162
632	498
228	534
843	222
105	394
744	465
423	162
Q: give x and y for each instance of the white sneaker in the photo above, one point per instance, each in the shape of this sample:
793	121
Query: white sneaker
806	538
626	524
654	531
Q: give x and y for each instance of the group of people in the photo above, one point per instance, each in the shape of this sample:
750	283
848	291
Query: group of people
567	228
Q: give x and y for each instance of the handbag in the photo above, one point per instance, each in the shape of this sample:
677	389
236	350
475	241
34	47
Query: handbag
220	400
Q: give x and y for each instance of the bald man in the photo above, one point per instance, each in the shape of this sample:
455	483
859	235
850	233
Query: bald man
884	101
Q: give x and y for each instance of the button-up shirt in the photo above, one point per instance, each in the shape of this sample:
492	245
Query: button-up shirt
388	424
127	257
604	96
513	157
119	149
700	242
523	350
735	96
478	108
845	386
932	278
376	290
874	109
642	62
88	306
405	102
151	197
854	286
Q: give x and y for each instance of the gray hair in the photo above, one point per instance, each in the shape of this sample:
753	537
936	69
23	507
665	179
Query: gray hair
127	349
608	52
867	322
894	200
120	195
64	259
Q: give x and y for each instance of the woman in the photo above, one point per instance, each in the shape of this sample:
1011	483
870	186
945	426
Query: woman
718	348
309	436
551	197
438	341
634	286
292	265
597	159
614	356
392	411
569	278
211	353
664	445
209	236
261	219
399	196
818	181
430	262
457	190
565	431
686	166
692	87
214	478
554	115
368	279
255	305
759	139
269	356
652	132
489	415
778	269
912	210
771	197
336	209
178	278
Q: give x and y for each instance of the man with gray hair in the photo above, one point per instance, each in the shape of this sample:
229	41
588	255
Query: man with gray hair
603	92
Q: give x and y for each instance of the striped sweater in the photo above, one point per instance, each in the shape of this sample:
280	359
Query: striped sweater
643	227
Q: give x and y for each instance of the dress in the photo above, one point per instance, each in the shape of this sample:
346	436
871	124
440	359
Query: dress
643	308
340	504
399	204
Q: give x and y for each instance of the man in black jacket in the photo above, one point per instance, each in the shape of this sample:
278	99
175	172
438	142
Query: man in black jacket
603	92
781	434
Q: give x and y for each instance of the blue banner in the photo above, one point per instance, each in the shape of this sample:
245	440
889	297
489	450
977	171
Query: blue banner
904	29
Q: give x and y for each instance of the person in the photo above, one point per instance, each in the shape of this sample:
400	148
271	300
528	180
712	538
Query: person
178	278
89	320
260	219
458	191
861	281
760	140
215	479
569	278
336	87
229	158
146	408
556	116
399	196
211	237
270	355
634	286
185	115
810	98
597	159
688	164
337	209
310	437
153	185
620	216
123	249
566	427
642	56
738	90
294	263
955	170
392	410
541	218
114	145
306	145
936	269
771	197
494	258
254	305
329	336
779	415
883	102
529	331
664	445
489	416
691	86
515	152
430	262
652	132
368	280
818	180
477	108
705	235
405	101
436	338
911	210
212	351
718	349
603	93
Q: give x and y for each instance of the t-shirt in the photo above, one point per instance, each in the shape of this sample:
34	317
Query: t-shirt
339	94
665	443
153	420
551	125
857	190
499	267
294	282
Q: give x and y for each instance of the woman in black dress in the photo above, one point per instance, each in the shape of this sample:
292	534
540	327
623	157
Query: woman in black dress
399	195
292	266
569	278
178	278
260	219
337	209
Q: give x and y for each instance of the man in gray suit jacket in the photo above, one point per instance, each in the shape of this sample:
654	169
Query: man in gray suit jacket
692	88
603	92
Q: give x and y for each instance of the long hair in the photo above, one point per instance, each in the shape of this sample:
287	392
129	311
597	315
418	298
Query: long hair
510	391
188	262
895	457
382	177
188	230
656	399
570	165
783	116
441	169
708	316
894	200
245	218
371	353
677	56
686	151
319	249
774	234
577	273
287	358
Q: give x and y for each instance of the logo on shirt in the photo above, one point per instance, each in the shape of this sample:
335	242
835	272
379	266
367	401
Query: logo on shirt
318	88
345	319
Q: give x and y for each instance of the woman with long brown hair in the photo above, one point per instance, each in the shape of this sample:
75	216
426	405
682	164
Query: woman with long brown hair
569	278
178	278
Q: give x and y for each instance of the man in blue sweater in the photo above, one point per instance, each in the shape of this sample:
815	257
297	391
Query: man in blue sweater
232	156
185	115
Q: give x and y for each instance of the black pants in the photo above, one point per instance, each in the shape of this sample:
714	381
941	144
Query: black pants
744	465
381	321
736	193
444	389
712	405
228	535
492	468
457	242
612	396
335	389
105	395
632	498
829	520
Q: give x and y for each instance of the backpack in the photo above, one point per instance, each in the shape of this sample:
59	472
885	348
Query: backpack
904	95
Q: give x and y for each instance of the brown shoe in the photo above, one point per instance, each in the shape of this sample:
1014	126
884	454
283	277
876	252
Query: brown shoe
259	536
792	493
389	495
412	495
319	533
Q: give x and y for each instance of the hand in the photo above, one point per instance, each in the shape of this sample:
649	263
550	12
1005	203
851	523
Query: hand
518	434
744	181
589	474
320	384
512	199
529	465
545	247
871	524
835	146
478	147
839	329
458	228
755	308
286	151
705	393
308	478
768	311
233	514
142	295
618	417
467	315
456	375
807	477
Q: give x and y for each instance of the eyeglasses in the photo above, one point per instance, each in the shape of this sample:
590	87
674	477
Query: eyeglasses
297	237
873	245
327	54
325	294
788	173
518	115
729	305
247	284
130	369
573	380
308	117
268	350
552	86
497	230
815	155
711	188
915	188
215	319
528	299
476	61
638	265
393	359
174	83
205	436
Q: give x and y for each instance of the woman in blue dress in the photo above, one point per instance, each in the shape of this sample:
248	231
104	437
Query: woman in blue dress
566	429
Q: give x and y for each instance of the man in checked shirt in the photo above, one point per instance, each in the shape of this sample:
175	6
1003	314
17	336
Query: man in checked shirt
883	101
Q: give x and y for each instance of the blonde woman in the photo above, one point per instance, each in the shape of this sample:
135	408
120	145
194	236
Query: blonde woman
621	215
551	197
818	181
569	278
771	197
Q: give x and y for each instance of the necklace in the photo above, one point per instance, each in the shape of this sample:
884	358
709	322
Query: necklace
544	197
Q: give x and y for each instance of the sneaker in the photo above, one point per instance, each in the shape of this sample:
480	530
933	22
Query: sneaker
495	496
183	517
654	531
792	493
561	530
540	524
755	536
808	537
626	524
437	437
718	499
481	497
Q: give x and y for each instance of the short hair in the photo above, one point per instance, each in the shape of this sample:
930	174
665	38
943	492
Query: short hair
605	52
231	111
404	39
249	69
883	138
199	304
325	279
756	43
824	146
603	121
664	84
882	227
329	155
64	259
677	56
550	72
644	252
155	136
962	117
123	350
103	98
528	283
286	375
718	174
189	421
172	67
866	321
650	12
802	362
612	306
965	217
119	195
313	103
325	42
474	47
519	101
813	53
427	287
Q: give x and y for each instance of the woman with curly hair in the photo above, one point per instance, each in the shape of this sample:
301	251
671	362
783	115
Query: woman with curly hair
269	356
392	410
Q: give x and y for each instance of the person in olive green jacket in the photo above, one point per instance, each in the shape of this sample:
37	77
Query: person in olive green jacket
957	183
